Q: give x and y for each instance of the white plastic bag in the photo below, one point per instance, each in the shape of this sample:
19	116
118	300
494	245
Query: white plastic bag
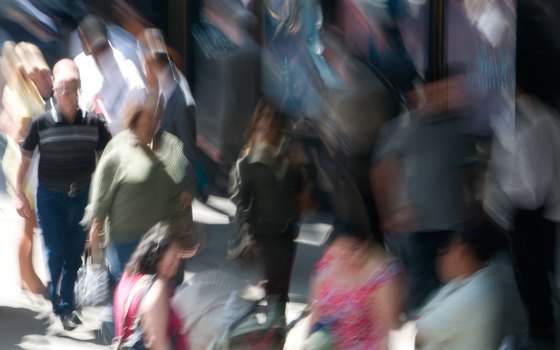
92	284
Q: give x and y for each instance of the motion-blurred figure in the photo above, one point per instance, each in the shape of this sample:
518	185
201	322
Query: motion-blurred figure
522	196
466	313
227	84
295	73
107	75
178	106
23	98
419	173
522	188
138	182
357	293
144	316
355	111
269	187
69	141
35	22
372	32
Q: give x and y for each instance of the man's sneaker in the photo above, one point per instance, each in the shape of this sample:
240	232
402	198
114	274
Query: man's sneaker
70	321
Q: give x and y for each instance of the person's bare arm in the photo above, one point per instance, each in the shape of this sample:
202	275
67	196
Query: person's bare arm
395	209
155	317
20	199
95	234
315	315
386	305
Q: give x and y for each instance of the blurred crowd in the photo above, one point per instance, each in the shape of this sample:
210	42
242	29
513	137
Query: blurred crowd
427	131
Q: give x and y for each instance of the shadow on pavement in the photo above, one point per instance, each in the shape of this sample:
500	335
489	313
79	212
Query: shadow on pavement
16	323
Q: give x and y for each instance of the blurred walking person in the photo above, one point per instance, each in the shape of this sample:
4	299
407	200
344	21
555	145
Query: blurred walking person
522	196
69	141
178	116
144	315
357	293
138	182
107	74
269	187
28	86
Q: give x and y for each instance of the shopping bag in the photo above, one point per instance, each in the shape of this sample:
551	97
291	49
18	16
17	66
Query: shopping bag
92	283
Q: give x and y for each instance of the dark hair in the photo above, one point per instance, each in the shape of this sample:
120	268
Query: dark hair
482	238
151	249
152	46
346	229
93	30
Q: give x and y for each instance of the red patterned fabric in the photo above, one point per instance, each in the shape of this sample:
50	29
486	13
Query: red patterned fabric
347	314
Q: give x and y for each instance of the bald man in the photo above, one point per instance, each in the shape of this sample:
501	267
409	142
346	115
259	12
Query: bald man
69	142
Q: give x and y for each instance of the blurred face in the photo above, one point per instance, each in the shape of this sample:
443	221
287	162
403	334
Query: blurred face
169	263
449	260
146	126
268	131
149	71
66	94
66	83
349	253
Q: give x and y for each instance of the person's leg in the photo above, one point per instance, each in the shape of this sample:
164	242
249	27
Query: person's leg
75	240
29	279
51	219
117	256
278	258
531	243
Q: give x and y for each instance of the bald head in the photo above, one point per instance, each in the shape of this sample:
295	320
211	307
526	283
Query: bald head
66	70
66	82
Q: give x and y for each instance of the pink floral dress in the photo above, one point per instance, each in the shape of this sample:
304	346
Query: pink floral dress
347	314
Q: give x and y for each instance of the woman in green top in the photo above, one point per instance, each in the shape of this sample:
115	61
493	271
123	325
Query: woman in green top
140	180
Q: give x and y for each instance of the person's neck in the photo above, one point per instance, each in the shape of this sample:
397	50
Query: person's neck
69	115
103	56
165	78
144	138
471	268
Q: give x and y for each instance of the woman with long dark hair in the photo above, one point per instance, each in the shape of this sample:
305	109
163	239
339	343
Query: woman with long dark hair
142	297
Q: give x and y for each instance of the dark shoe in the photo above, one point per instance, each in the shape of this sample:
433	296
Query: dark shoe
70	321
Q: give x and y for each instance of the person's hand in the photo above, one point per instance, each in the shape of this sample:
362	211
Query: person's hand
22	205
94	237
186	199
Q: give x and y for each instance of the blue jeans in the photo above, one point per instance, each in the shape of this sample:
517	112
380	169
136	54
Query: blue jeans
59	218
117	255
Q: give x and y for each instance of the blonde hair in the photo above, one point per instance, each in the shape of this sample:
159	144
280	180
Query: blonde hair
17	64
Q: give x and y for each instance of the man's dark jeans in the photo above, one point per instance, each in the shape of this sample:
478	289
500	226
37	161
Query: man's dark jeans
59	217
532	248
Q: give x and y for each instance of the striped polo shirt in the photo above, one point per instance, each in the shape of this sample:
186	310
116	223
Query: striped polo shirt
68	151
